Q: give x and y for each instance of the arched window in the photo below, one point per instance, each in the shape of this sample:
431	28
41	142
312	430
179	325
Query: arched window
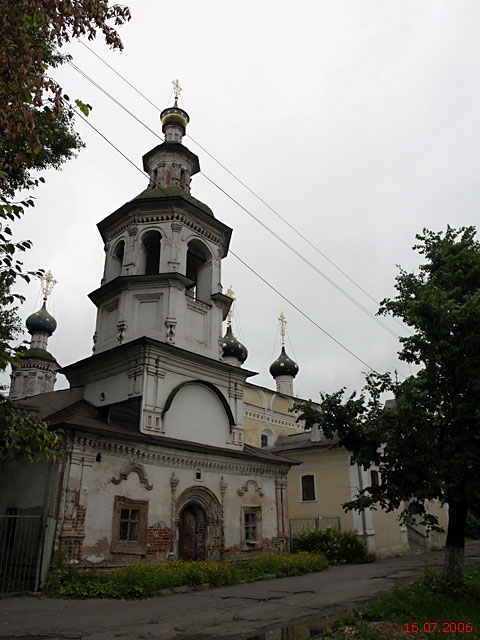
117	259
266	438
151	253
199	270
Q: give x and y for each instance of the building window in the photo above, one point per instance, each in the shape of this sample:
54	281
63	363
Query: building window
129	526
374	478
198	474
252	527
267	438
308	488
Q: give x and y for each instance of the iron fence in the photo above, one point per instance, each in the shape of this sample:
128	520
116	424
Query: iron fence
315	523
21	552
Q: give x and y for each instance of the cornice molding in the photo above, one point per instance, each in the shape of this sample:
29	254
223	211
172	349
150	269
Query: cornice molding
142	455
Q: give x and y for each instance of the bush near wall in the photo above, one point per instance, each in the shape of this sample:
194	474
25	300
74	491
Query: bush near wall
147	580
338	548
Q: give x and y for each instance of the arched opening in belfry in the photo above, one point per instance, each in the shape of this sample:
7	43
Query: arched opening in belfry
117	259
199	270
151	253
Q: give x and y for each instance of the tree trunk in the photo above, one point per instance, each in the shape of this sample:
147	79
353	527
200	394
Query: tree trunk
455	547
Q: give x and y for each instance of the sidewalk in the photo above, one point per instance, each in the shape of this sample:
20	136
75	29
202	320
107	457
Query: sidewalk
239	611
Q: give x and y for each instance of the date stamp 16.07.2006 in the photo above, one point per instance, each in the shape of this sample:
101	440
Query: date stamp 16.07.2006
438	627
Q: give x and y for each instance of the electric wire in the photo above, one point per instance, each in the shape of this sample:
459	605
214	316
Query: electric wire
294	306
250	190
249	213
287	300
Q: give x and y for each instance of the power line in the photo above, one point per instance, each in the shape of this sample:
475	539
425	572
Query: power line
294	306
248	212
250	190
287	300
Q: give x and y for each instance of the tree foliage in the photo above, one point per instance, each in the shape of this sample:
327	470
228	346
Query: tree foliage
35	120
36	133
24	436
426	444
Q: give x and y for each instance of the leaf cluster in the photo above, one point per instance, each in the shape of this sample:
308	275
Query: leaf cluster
35	123
338	547
425	443
24	436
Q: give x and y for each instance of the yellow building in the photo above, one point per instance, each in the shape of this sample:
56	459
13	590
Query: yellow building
324	479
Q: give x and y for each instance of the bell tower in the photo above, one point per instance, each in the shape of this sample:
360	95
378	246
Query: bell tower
163	254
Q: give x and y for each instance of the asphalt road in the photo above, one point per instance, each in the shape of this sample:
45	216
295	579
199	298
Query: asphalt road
241	611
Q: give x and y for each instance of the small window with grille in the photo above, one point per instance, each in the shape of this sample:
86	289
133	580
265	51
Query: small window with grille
252	527
129	526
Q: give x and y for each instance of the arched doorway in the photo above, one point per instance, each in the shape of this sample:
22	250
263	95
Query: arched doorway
199	524
192	528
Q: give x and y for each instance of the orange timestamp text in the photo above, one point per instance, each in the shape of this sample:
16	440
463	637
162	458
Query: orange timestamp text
438	627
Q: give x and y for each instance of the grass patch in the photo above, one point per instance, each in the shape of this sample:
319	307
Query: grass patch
148	580
424	603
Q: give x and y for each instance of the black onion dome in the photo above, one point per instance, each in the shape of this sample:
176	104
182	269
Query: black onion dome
41	321
233	348
284	366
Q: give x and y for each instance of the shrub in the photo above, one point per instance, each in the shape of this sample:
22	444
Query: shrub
472	526
338	548
148	580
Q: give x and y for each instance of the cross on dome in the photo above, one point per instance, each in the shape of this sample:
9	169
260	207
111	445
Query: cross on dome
283	322
47	284
230	293
177	90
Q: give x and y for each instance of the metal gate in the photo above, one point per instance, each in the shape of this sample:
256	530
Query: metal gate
26	543
314	523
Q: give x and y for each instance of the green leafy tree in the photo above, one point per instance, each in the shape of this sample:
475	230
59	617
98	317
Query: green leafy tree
36	133
426	444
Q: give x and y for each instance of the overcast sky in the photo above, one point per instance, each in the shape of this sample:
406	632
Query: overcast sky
357	121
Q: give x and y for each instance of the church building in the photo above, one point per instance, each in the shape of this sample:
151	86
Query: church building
156	466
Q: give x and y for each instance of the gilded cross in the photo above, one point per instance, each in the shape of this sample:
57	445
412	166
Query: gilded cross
230	293
177	89
283	322
47	284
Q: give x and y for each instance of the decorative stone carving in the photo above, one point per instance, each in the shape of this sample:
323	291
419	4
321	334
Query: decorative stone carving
244	488
173	485
134	468
170	323
174	482
223	487
121	326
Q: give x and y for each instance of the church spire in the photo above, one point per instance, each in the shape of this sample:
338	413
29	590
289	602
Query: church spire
233	351
284	369
174	120
38	368
171	165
